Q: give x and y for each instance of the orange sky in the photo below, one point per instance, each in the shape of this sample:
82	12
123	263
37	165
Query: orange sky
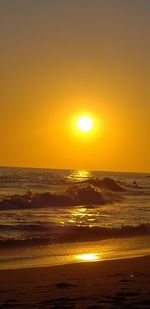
63	58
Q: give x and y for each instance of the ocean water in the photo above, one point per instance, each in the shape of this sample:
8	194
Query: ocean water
50	217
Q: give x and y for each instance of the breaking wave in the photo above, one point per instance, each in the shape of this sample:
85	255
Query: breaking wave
92	191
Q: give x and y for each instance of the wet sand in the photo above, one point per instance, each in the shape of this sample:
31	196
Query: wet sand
106	284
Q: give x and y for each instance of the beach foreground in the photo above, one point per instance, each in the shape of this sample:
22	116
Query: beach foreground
107	284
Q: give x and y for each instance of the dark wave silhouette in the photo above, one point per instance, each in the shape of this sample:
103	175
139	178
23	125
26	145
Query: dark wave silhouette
93	191
106	184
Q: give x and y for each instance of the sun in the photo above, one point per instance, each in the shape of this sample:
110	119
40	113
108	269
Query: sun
85	124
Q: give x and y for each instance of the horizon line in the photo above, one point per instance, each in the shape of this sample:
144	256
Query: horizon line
74	169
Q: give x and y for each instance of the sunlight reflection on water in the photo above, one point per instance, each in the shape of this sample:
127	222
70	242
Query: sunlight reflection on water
79	175
89	257
82	216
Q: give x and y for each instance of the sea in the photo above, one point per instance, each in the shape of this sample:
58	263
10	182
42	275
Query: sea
52	217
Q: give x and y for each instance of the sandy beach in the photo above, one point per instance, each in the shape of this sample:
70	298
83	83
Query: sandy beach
107	284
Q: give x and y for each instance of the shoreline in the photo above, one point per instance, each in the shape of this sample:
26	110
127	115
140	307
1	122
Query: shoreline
129	257
69	265
104	284
72	253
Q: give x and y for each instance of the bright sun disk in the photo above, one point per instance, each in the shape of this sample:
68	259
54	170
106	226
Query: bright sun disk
84	124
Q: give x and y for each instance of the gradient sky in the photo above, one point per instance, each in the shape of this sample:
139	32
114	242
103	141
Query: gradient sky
60	58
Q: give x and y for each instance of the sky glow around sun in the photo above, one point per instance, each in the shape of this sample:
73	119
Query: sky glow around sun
72	95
